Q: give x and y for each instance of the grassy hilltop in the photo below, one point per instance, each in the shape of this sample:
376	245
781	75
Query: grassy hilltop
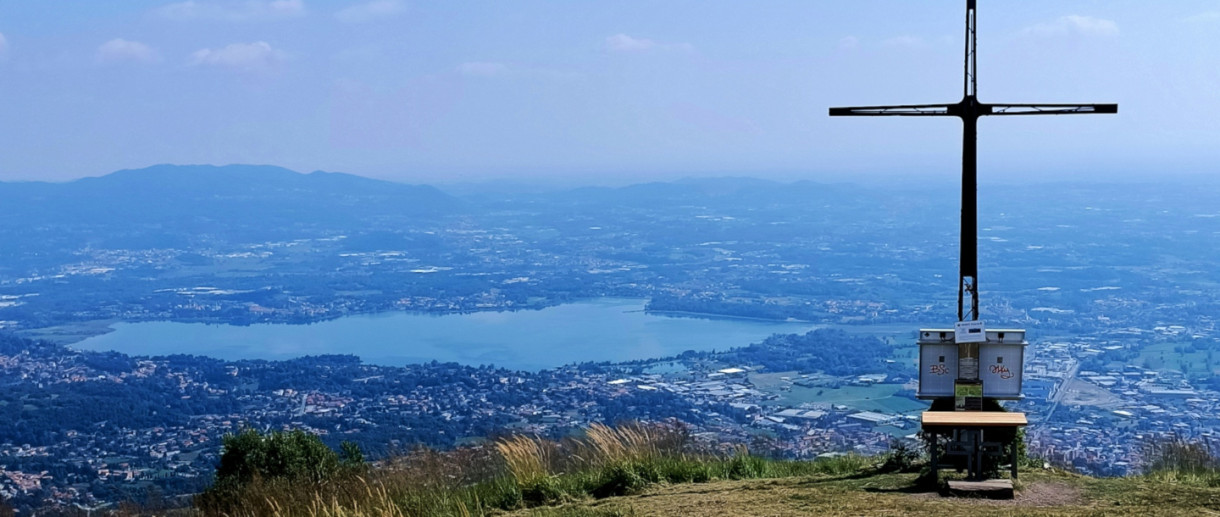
661	470
1040	493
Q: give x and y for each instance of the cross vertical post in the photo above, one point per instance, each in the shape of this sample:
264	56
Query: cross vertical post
968	254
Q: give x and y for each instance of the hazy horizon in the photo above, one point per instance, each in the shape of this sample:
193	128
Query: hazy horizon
873	179
519	184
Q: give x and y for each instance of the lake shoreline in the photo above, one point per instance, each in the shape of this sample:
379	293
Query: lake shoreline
717	316
83	330
591	330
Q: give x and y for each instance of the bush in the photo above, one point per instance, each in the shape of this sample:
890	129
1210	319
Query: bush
901	458
542	490
621	479
744	466
295	457
687	471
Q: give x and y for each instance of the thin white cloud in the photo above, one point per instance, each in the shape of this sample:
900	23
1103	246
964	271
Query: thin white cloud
849	42
289	7
255	57
1074	24
371	11
248	10
481	68
119	50
1207	17
3	46
905	42
624	43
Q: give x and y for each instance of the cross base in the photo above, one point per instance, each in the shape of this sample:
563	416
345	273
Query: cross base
990	489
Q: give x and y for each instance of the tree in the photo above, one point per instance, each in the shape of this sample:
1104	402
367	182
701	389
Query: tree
253	464
295	456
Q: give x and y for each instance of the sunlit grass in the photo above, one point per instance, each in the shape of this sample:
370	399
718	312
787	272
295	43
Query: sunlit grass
522	472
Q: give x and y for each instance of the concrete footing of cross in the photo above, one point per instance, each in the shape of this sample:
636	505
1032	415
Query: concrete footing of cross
990	489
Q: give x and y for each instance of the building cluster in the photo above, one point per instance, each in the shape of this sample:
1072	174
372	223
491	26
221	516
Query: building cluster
1093	409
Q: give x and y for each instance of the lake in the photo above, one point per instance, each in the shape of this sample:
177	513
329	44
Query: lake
607	329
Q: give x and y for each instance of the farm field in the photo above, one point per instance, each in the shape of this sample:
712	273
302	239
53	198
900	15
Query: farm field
1163	356
886	398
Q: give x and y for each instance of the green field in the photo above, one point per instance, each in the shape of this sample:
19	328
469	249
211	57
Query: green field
878	397
69	333
1161	356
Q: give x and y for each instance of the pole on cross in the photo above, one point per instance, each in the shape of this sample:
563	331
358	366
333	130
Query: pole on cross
969	109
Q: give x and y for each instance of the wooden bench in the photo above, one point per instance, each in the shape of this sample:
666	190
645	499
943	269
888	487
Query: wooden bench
973	419
968	427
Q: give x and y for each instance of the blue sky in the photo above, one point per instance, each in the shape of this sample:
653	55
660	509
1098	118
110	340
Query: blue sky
600	92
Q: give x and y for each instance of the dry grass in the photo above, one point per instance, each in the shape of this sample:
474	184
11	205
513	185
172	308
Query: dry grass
527	458
518	472
423	482
627	443
1175	459
530	458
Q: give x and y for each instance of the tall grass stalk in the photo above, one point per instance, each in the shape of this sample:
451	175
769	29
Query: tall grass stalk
526	458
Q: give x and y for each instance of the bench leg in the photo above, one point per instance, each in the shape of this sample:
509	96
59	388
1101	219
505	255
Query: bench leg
1013	456
935	462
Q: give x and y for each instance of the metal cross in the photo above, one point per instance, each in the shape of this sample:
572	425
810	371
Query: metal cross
969	110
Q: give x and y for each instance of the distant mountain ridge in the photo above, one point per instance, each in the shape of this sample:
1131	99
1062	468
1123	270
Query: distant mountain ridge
183	206
164	183
207	198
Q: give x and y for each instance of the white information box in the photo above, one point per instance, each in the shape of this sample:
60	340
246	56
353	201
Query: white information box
999	362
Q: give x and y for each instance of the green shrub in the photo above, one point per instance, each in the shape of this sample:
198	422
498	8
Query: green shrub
295	457
502	493
542	490
744	466
900	458
686	471
622	478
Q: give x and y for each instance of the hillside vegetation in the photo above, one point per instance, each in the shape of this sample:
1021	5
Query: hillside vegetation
660	470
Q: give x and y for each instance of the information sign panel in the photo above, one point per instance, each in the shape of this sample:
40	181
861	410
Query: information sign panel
969	332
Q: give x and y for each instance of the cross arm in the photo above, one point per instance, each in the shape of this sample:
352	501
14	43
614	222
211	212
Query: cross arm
1048	109
905	110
